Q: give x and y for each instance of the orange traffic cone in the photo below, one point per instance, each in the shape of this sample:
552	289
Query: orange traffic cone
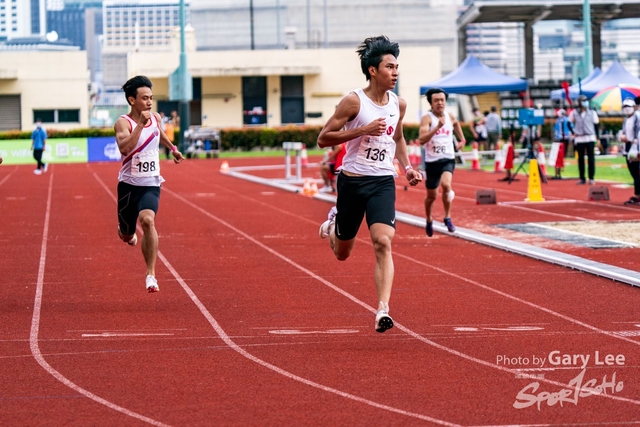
313	190
306	188
475	162
542	159
560	156
498	158
304	161
224	167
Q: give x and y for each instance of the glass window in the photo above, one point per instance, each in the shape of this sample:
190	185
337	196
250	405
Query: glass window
47	116
69	116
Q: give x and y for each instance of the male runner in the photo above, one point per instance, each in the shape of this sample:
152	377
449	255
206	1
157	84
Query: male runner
436	132
370	121
139	136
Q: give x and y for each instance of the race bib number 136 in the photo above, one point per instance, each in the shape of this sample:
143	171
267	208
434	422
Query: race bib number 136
373	152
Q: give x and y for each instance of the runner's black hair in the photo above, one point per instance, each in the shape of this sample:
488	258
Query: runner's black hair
435	90
130	88
373	49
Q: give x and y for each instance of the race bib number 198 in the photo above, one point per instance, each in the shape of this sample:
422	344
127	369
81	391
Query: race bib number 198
145	164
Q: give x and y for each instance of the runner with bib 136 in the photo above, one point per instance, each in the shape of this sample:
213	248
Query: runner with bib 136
370	120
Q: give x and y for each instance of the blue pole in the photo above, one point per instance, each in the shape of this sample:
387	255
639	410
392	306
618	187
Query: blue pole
184	94
588	52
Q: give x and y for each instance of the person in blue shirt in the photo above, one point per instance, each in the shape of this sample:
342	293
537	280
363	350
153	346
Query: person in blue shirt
38	141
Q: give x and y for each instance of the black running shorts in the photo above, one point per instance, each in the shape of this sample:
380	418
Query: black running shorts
373	196
131	200
434	171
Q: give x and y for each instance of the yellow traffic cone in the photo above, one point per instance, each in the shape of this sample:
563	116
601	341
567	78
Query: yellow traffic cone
534	194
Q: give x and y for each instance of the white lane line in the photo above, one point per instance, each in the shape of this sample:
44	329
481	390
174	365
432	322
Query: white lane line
116	334
35	326
8	176
371	309
248	355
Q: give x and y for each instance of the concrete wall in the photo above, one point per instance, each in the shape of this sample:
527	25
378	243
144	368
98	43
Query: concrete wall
329	74
46	80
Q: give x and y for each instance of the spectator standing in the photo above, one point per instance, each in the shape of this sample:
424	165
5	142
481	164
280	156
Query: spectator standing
630	130
38	142
585	127
494	128
479	129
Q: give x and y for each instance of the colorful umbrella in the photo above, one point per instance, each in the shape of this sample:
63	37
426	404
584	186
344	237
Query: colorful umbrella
610	98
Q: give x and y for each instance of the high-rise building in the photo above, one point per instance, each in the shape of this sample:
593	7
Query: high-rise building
139	24
22	18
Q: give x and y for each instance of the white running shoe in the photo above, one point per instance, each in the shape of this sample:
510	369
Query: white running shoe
325	228
152	284
326	189
37	172
46	166
383	321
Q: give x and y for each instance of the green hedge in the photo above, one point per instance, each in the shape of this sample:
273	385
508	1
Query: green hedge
254	138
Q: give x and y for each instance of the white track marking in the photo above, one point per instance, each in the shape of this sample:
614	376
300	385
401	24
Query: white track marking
248	355
542	212
8	176
115	334
274	368
35	326
399	326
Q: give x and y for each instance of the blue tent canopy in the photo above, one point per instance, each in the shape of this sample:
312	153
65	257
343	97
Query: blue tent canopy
574	90
473	77
616	74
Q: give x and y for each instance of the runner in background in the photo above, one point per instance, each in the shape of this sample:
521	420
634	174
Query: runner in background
330	167
436	134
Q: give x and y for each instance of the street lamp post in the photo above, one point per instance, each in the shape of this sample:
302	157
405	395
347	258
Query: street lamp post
180	83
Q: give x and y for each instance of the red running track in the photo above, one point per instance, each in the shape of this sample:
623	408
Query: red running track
256	323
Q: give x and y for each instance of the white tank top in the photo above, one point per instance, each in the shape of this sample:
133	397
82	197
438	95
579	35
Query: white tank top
141	166
372	155
440	147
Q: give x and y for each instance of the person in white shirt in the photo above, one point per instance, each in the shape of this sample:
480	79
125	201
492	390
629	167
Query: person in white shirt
585	128
630	131
370	121
436	134
139	136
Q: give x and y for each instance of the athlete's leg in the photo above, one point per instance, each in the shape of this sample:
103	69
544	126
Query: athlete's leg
341	248
445	183
432	194
381	237
149	240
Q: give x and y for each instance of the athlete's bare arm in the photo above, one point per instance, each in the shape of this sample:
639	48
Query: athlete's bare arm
333	134
126	138
413	176
426	133
164	140
457	129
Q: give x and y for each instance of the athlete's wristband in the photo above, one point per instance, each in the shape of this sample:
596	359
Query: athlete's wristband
174	148
406	168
